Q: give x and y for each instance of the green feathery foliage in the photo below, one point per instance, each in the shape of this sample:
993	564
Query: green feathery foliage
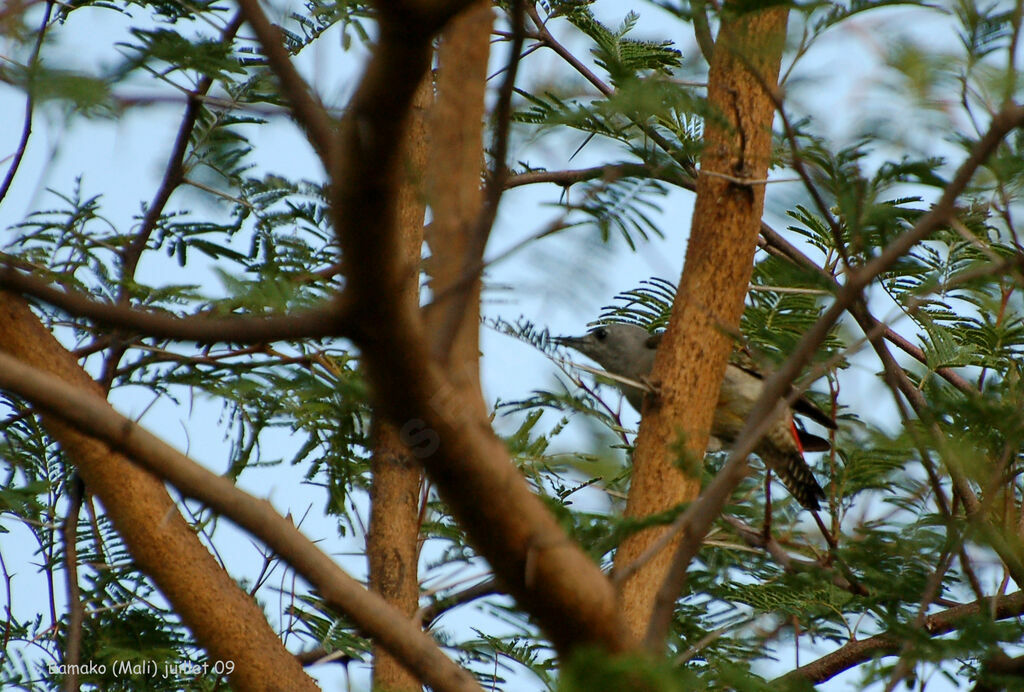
915	563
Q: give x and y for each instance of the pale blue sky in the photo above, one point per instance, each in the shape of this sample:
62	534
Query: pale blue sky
123	160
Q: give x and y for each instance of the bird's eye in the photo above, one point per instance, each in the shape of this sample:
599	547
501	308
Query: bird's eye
601	333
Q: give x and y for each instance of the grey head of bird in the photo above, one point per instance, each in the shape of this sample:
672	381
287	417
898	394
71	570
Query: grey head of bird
626	350
621	349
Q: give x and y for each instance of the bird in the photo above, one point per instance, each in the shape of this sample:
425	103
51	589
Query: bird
628	350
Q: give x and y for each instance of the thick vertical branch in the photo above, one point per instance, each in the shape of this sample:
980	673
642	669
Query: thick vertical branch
455	173
692	358
552	578
225	620
392	542
452	184
470	235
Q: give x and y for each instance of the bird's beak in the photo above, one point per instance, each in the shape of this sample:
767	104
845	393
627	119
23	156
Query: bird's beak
570	341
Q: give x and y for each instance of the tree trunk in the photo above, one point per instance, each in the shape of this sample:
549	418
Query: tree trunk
693	354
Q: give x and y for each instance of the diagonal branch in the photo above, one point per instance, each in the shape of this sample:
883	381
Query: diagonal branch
307	109
26	130
855	651
699	516
174	175
162	544
977	510
320	322
93	416
783	247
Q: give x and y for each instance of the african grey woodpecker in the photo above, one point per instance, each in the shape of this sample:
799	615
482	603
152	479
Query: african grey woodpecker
628	350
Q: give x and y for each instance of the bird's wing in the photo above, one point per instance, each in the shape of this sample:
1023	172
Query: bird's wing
802	405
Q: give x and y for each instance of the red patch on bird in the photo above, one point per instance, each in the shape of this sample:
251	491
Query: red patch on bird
796	435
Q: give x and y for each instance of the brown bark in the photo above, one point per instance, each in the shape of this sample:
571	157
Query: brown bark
392	544
550	576
857	651
369	612
451	181
456	164
393	538
225	620
693	354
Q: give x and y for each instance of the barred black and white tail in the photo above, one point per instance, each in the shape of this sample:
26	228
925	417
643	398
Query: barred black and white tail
798	478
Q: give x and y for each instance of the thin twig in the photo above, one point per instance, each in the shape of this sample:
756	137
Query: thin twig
567	178
26	129
649	131
69	534
429	613
174	175
307	109
758	539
